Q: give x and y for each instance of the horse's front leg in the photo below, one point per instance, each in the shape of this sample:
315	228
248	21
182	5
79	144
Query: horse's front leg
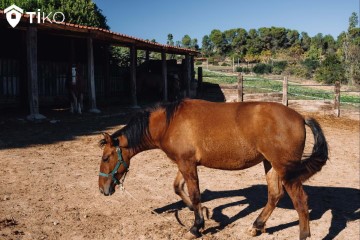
189	172
179	190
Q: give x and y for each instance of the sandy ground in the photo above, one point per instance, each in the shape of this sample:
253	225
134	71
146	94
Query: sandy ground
49	189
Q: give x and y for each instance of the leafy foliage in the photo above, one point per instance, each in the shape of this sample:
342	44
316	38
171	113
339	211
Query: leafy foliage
330	70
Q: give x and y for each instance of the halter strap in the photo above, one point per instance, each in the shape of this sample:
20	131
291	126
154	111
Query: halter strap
114	171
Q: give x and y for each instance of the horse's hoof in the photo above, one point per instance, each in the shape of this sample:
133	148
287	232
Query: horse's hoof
189	236
253	231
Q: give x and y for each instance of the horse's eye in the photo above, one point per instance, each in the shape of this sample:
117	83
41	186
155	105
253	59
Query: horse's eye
105	158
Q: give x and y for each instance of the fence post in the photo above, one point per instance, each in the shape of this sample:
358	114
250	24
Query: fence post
240	88
200	82
337	99
285	91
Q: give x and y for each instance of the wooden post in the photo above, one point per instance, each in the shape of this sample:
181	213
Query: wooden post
285	91
107	71
200	82
91	76
133	63
187	75
240	88
192	68
337	99
164	76
147	55
32	69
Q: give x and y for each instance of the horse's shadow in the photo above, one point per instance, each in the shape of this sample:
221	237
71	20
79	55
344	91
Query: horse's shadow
344	204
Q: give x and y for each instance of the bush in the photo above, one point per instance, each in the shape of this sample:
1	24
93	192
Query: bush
279	67
262	68
238	69
297	70
242	69
224	64
198	63
246	70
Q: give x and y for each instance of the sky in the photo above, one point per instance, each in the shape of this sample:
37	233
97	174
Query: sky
155	19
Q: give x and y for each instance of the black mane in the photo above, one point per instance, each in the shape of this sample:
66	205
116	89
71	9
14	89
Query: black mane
137	129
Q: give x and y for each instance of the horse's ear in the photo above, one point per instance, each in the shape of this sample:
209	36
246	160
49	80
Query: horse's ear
107	138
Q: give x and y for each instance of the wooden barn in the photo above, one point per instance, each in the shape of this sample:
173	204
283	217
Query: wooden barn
36	62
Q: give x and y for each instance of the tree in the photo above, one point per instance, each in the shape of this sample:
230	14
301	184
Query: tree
194	44
292	38
253	44
279	38
328	44
353	21
186	41
217	38
170	40
305	41
330	70
207	46
351	51
239	42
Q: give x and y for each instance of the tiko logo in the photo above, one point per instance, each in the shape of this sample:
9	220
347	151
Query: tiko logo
13	16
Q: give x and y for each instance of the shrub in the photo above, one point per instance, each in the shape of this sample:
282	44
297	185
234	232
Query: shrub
262	68
279	67
224	64
246	70
297	70
198	63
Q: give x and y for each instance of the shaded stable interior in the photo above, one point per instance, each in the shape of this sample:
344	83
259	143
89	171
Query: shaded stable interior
36	61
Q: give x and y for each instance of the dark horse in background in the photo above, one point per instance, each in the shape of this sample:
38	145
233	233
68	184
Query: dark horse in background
228	136
76	86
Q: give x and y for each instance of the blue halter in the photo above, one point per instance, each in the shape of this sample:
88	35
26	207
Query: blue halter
118	164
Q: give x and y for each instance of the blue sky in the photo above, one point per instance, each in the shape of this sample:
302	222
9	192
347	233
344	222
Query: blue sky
154	19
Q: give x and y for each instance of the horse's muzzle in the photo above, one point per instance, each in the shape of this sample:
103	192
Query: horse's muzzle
107	191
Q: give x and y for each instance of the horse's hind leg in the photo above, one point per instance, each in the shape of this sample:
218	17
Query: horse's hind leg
179	190
275	192
74	106
299	199
189	171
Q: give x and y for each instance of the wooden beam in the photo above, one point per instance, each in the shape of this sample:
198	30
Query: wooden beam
187	75
192	68
32	69
200	82
147	55
240	88
133	63
106	64
285	91
164	76
337	98
91	76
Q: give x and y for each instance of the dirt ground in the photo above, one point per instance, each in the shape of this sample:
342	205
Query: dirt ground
49	188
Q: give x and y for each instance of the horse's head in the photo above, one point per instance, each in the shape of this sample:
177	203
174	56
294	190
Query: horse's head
114	165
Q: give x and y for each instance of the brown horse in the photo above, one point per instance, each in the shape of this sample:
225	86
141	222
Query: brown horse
229	136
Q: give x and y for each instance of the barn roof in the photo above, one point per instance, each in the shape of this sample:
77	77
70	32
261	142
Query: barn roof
75	30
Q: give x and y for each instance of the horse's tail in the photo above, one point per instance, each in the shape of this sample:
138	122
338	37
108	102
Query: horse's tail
313	163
